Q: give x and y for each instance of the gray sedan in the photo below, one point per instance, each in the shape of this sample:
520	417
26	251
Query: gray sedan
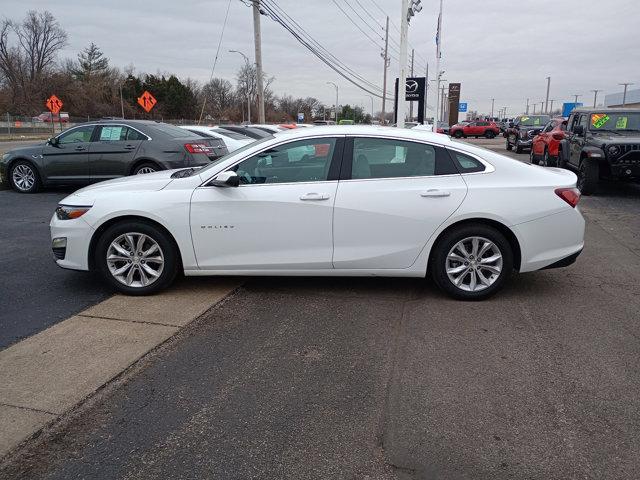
96	151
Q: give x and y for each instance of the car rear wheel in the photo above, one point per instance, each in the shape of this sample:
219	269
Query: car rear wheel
489	134
136	258
533	158
518	147
471	262
24	177
548	160
146	167
508	145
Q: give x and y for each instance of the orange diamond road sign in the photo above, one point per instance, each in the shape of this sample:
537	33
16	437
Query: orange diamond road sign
54	104
147	101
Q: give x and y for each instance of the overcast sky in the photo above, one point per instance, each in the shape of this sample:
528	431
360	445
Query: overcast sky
501	49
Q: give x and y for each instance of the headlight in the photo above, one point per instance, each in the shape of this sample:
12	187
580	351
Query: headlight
613	150
64	212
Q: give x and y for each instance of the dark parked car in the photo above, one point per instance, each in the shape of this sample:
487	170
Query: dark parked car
602	143
96	151
521	132
251	132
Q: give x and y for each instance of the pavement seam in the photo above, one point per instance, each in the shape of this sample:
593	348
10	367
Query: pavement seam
28	408
96	317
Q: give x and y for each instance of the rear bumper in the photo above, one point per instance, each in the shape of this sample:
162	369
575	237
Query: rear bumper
565	262
550	240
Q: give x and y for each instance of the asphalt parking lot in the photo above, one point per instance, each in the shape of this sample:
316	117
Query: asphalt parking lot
363	378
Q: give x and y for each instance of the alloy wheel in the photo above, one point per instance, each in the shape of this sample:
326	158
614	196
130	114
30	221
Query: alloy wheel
135	259
474	264
24	178
144	170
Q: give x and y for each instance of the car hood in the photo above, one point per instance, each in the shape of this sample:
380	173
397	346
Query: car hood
135	183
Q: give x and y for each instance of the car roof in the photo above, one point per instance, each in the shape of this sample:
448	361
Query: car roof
365	130
605	109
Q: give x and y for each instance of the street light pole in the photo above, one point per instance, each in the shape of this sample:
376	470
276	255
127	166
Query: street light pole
492	104
595	97
576	97
121	102
624	95
546	105
527	111
402	75
246	59
551	109
336	87
371	97
438	55
258	48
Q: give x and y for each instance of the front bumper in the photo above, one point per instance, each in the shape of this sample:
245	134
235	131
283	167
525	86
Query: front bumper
78	235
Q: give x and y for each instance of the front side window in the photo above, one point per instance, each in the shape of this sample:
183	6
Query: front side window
302	161
385	158
76	135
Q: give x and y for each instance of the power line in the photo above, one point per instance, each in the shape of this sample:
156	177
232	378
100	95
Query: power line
366	10
357	26
316	44
364	21
318	50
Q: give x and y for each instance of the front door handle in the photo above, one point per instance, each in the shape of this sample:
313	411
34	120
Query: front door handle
80	148
434	192
315	196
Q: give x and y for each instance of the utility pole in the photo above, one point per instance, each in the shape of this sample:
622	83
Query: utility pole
411	103
624	95
336	87
527	111
402	76
426	92
371	105
438	55
534	108
576	97
493	100
551	110
386	65
595	97
121	102
258	46
546	105
542	106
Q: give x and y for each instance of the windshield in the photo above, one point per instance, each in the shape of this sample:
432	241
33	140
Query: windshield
232	154
607	122
533	120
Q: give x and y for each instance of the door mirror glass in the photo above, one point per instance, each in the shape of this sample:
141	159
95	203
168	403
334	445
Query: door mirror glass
53	141
578	130
226	179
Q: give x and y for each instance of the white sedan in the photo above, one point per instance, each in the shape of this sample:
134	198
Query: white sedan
232	140
354	201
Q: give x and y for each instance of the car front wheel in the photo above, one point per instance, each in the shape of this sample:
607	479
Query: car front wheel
457	134
146	167
24	177
136	258
471	262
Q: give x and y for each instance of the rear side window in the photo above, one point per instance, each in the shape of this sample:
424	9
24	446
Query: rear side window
135	135
466	163
386	158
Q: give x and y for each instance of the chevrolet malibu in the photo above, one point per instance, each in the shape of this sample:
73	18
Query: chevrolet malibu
354	201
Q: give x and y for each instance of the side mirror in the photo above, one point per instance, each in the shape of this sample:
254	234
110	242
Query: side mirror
512	125
578	130
226	179
53	141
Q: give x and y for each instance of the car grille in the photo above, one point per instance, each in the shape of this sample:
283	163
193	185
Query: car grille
629	154
59	253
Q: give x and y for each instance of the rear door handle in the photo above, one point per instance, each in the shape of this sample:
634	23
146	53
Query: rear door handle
80	148
129	147
315	196
434	192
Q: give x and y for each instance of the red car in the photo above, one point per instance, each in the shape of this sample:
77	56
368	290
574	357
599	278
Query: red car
480	128
545	145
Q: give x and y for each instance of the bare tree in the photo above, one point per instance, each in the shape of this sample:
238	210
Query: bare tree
28	53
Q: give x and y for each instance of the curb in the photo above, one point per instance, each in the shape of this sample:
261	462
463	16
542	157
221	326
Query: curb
51	374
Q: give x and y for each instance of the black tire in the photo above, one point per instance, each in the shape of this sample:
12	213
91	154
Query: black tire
438	263
518	147
168	249
560	163
548	160
458	134
24	169
508	145
146	167
489	134
588	175
533	158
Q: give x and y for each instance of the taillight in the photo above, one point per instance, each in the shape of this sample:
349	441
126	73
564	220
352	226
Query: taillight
569	195
557	136
196	148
